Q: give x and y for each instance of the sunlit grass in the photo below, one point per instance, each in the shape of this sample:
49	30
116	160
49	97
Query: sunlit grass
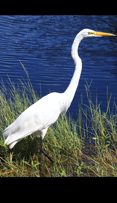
87	147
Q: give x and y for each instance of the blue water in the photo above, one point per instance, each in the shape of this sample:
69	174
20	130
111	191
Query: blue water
43	45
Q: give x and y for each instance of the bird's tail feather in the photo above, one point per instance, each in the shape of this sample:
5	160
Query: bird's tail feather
13	144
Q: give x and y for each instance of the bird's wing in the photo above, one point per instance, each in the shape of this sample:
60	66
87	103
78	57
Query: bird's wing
37	117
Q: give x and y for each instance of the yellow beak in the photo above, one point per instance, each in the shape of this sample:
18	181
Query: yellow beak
103	34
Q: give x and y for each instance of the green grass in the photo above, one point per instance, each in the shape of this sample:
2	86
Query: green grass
87	147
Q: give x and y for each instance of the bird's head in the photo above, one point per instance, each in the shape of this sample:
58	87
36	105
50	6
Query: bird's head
91	33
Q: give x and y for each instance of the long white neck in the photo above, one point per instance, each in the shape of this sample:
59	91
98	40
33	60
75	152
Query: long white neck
68	95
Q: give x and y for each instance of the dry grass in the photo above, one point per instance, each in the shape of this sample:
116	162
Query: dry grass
87	147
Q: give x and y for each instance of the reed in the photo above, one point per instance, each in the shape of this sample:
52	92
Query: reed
86	147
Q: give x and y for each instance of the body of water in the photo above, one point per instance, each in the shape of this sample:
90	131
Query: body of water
43	45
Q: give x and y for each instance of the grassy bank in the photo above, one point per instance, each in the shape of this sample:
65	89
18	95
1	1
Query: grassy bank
87	147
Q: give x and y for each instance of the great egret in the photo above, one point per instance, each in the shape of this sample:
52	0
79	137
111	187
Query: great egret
42	114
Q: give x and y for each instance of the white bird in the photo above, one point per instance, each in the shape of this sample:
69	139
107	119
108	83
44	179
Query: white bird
42	114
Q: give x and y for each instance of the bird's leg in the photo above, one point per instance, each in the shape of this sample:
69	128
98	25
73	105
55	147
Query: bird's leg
47	156
40	154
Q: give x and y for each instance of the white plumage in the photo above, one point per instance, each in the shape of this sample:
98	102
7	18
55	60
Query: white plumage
35	118
45	112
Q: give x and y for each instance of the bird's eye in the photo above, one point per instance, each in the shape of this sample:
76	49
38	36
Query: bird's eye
90	33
